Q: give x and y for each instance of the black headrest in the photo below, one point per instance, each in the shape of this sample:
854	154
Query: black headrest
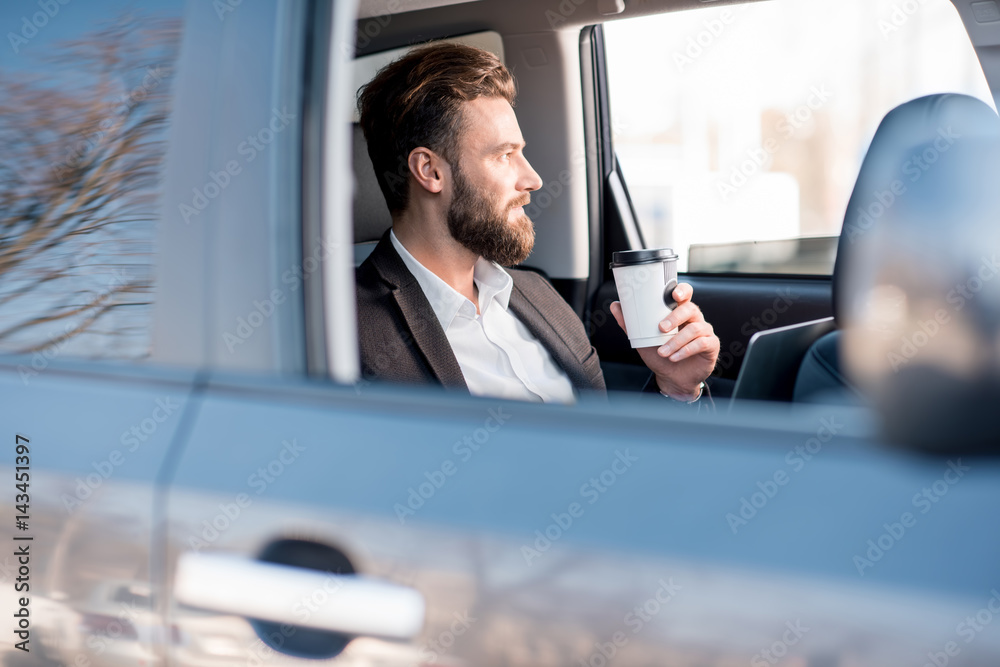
371	215
893	166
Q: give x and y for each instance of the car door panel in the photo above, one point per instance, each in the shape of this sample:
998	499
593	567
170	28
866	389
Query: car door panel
96	443
524	556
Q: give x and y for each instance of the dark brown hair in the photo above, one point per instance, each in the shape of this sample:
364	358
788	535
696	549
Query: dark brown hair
416	101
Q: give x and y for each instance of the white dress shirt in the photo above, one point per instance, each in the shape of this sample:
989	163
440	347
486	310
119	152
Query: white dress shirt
496	352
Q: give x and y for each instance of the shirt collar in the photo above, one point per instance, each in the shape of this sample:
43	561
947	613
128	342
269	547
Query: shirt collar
494	284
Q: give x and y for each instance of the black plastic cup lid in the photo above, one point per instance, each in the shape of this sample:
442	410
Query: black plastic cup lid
645	256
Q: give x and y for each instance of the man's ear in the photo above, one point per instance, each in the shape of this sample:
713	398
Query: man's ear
429	169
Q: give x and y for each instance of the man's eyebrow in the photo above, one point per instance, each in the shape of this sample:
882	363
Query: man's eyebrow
507	146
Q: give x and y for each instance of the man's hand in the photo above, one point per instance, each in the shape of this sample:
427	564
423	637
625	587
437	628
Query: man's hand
685	360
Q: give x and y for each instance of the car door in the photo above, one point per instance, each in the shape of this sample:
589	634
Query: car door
553	535
87	445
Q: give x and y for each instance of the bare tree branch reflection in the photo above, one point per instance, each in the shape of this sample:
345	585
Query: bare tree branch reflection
79	171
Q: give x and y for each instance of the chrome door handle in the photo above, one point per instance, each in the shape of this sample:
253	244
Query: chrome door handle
354	605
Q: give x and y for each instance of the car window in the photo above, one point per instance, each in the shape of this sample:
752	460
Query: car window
84	112
740	129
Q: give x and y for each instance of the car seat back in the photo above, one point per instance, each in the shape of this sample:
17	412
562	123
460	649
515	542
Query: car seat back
892	169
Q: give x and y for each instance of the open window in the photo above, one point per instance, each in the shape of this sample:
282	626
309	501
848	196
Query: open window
741	133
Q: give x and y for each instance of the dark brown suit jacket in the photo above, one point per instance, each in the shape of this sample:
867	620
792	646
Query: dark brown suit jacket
402	340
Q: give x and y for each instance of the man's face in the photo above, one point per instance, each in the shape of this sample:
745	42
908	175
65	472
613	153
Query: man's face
491	182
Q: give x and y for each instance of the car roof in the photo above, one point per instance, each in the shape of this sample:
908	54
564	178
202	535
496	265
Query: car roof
393	23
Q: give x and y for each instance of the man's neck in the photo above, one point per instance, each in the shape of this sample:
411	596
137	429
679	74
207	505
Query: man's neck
442	255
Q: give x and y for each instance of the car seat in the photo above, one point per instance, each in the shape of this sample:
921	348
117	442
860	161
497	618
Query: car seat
371	214
890	168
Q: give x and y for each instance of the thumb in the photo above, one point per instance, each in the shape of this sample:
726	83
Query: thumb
616	310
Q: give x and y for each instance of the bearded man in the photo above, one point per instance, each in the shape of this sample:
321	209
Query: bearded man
435	305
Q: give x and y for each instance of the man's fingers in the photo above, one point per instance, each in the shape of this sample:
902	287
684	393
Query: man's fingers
695	347
683	314
684	337
683	292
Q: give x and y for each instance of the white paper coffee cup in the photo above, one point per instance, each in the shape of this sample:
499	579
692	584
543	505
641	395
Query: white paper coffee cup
646	280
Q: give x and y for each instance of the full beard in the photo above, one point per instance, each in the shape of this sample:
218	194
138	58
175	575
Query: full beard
481	224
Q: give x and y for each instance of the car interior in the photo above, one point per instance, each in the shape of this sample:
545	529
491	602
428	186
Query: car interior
585	211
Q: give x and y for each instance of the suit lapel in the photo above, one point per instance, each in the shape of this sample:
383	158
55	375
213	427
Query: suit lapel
424	326
549	337
431	339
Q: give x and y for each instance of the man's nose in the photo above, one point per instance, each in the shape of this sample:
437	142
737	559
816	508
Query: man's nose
530	180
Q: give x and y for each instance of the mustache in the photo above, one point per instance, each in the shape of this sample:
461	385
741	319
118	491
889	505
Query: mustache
522	201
